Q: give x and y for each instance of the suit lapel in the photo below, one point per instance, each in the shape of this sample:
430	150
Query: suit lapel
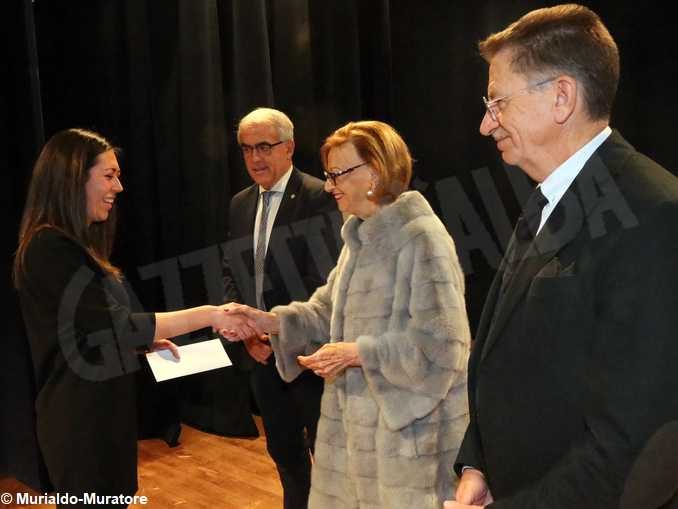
564	225
507	299
251	212
287	210
249	205
248	212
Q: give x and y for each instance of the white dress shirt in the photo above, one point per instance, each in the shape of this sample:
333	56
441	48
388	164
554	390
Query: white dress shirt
278	190
554	186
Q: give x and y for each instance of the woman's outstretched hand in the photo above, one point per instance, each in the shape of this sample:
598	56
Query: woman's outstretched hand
258	321
165	344
233	324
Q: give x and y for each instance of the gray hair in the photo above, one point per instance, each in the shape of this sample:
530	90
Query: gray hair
268	116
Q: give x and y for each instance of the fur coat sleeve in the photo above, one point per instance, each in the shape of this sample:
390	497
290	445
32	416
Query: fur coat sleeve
304	327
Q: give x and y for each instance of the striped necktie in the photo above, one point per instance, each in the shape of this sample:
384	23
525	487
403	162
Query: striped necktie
260	254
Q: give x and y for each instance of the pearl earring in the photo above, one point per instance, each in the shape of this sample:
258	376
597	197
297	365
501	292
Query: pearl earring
370	192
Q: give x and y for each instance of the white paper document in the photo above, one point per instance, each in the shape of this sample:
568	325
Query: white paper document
195	358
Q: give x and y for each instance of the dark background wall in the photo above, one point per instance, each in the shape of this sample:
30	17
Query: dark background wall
168	80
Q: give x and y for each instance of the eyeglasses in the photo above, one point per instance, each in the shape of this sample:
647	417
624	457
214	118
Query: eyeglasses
334	175
493	105
264	148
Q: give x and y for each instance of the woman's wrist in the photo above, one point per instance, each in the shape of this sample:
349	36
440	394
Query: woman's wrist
355	361
273	323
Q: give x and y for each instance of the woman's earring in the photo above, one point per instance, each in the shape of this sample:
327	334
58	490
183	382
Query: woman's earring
370	192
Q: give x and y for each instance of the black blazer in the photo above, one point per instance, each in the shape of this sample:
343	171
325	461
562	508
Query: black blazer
83	340
573	367
302	249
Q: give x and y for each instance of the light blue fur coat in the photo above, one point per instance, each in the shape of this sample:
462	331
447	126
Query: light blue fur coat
389	431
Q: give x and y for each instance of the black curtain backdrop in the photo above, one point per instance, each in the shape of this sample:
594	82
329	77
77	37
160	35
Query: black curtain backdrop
21	136
167	80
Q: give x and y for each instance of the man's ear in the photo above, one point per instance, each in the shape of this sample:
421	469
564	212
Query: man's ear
566	98
289	146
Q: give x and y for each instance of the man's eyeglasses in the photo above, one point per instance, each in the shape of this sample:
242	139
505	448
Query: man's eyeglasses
264	148
334	175
493	105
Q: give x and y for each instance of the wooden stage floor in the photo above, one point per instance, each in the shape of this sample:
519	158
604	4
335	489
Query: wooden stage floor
204	471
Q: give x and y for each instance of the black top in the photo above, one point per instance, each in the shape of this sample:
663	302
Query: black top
83	340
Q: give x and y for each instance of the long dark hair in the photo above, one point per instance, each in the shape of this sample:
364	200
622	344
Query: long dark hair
56	198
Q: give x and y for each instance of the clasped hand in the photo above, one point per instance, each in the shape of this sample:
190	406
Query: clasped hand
244	323
332	359
472	492
237	322
232	324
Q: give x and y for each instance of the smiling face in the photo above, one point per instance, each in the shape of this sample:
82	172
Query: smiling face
351	189
524	128
102	186
266	170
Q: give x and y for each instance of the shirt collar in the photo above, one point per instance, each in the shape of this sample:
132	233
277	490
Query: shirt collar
555	185
279	186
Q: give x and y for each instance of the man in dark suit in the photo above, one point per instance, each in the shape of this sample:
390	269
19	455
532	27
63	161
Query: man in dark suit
653	480
573	366
281	247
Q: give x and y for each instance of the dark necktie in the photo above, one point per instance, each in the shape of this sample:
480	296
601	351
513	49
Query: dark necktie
260	254
528	223
523	235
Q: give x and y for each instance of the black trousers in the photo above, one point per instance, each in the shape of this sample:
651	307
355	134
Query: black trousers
290	414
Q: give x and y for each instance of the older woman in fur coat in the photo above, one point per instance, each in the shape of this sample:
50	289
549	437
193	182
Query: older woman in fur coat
388	332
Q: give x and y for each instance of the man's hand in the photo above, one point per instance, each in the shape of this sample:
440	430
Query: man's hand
258	348
472	492
332	359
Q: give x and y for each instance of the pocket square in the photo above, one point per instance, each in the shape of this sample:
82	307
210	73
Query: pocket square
554	268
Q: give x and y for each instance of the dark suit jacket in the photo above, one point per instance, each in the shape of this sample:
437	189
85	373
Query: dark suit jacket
653	481
302	249
574	366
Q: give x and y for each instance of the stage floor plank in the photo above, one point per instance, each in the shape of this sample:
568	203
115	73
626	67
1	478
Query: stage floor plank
204	471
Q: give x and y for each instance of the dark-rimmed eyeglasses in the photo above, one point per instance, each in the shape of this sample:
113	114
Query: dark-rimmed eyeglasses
264	148
335	173
492	106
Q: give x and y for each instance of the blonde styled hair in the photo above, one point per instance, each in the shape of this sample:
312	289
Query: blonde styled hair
383	149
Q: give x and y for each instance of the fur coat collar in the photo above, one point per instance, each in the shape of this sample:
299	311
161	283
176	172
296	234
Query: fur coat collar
390	227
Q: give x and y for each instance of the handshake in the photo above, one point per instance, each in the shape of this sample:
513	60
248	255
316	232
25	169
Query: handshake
237	322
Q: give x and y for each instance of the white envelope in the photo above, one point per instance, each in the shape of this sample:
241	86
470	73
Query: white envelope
195	358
